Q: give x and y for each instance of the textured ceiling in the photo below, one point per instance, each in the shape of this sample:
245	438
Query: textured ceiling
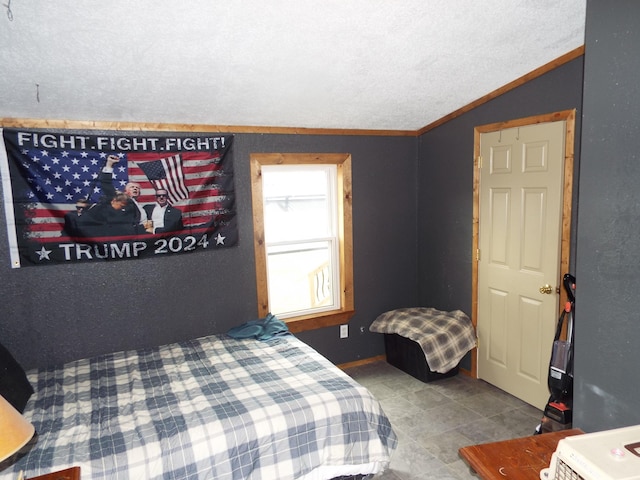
360	64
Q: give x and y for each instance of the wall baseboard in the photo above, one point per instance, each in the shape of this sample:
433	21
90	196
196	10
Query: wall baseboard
364	361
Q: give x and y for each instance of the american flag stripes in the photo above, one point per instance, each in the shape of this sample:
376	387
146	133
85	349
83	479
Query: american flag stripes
202	176
167	174
55	180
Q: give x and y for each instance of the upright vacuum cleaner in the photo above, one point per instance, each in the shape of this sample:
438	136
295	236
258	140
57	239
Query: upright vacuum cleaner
558	411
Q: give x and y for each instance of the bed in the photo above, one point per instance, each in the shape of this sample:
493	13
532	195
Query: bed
210	408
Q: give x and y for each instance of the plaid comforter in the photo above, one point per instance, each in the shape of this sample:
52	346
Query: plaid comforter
210	408
445	337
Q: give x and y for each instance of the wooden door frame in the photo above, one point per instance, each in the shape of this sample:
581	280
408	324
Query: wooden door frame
569	116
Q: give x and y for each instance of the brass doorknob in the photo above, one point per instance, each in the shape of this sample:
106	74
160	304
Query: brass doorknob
548	289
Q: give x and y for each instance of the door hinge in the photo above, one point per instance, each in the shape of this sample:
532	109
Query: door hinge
480	161
477	254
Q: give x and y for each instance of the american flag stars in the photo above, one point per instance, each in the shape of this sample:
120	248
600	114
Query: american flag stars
63	176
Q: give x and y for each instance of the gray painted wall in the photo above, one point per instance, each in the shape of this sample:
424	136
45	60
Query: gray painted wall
445	176
608	254
53	314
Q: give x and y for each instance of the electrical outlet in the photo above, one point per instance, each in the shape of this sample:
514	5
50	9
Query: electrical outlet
344	331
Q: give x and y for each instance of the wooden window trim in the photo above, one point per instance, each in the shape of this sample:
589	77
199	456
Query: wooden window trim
343	163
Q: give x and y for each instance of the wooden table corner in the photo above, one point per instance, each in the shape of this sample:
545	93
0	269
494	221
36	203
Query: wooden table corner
515	459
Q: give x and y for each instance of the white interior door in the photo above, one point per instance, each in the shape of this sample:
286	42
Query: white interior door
519	240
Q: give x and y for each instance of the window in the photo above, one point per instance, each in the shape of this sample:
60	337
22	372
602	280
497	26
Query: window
303	241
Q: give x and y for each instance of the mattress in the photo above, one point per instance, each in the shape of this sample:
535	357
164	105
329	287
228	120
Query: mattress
208	408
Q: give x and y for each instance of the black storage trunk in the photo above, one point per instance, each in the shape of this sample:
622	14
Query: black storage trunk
408	356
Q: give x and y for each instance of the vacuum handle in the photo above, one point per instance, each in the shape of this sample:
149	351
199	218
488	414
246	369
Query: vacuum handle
570	286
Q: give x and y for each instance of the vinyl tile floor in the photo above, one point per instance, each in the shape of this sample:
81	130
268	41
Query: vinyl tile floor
433	420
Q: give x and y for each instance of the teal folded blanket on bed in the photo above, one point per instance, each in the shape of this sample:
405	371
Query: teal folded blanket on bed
262	329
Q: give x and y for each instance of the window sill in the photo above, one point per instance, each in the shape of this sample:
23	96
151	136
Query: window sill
313	322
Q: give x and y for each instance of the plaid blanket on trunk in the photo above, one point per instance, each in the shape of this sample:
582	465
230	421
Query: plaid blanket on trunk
445	337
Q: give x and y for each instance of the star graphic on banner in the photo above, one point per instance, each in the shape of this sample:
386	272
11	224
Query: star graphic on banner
220	240
56	177
43	253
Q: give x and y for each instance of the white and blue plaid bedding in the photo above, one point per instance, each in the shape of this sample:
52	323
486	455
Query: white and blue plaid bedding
210	408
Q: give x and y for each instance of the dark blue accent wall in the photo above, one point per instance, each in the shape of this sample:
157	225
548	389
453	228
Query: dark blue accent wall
412	208
445	179
53	314
607	380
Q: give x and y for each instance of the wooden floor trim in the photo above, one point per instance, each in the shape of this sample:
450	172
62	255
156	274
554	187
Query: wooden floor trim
364	361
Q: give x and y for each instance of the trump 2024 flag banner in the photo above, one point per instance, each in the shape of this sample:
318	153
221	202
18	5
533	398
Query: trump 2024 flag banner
74	197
